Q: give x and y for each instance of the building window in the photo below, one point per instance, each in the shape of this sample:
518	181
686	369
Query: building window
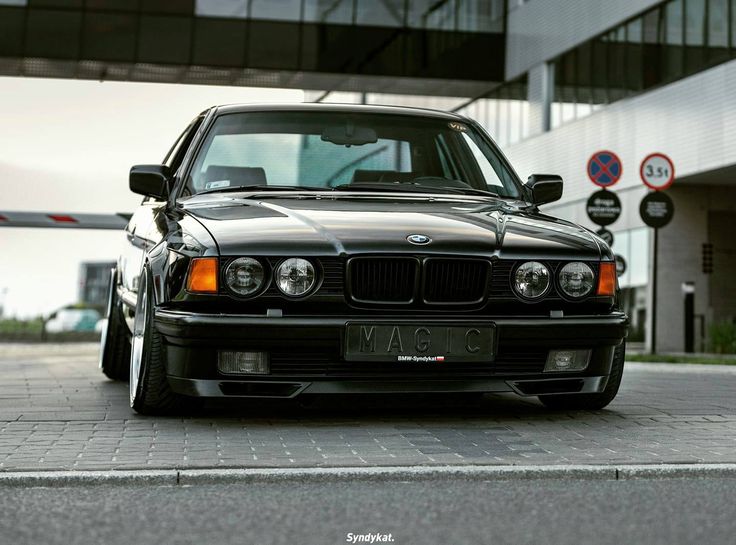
668	42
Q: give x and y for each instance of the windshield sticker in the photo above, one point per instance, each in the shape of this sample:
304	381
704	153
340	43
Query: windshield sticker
455	126
217	185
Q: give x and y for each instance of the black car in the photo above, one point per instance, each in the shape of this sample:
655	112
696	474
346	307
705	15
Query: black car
314	249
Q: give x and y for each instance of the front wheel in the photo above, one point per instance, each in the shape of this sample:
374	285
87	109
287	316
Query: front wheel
592	402
150	391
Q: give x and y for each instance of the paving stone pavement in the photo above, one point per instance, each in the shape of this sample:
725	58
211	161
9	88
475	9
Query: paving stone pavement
57	412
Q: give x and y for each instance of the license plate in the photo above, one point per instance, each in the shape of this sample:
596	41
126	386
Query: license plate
419	344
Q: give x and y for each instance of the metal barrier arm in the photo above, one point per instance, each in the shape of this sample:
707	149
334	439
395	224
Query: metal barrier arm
64	221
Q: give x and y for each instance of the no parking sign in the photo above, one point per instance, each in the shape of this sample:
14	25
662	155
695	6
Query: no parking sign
604	168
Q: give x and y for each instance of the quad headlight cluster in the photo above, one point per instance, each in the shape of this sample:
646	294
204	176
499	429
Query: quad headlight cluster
294	277
532	280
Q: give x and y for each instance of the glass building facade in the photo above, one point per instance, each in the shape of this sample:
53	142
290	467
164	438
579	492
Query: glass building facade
671	41
459	42
454	15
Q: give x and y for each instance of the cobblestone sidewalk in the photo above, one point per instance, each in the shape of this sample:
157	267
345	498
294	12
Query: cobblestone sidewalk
58	412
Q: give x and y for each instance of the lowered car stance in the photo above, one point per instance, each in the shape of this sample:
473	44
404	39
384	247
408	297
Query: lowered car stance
283	251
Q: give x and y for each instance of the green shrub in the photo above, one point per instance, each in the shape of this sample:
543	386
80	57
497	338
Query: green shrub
723	337
14	326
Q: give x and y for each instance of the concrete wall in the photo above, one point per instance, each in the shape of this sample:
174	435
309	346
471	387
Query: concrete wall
542	29
702	215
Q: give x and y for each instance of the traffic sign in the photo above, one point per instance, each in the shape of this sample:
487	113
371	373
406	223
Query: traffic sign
657	171
606	235
604	168
603	207
620	265
656	209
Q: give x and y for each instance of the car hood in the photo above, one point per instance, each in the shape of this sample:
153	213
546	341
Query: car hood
351	224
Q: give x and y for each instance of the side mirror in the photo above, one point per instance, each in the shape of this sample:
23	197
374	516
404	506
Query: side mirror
544	188
150	180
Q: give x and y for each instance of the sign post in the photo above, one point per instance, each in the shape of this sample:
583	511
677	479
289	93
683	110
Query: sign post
604	168
620	265
657	171
604	207
606	235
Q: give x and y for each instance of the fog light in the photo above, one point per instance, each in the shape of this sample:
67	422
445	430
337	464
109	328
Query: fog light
567	360
243	363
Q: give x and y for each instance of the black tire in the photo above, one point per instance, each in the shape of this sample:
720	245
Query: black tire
592	402
115	341
151	393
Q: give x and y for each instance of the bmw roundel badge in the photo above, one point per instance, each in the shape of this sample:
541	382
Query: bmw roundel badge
419	239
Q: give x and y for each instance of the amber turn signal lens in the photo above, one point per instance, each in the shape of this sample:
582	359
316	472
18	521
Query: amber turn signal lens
607	278
202	276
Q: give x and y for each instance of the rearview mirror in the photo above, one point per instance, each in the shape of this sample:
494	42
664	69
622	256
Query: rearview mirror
544	188
349	135
150	180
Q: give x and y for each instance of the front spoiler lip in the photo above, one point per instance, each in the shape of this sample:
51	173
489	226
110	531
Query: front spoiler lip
212	388
175	323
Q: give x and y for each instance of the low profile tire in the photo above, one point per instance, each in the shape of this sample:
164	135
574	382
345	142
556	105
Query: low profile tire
592	402
115	339
150	392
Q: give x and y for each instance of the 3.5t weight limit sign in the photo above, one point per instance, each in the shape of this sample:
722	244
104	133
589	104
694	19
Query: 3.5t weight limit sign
657	171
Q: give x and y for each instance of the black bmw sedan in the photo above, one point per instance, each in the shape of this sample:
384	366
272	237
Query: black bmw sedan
288	250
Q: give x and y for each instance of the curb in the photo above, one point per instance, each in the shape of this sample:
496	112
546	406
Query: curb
86	478
173	477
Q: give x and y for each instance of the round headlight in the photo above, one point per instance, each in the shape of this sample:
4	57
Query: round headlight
531	280
244	276
295	276
576	279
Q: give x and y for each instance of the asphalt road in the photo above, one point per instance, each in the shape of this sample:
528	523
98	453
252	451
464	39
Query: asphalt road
447	512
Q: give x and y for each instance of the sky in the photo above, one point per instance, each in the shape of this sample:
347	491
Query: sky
67	146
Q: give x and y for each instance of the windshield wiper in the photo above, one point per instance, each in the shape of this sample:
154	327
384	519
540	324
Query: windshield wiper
260	187
383	186
411	187
470	191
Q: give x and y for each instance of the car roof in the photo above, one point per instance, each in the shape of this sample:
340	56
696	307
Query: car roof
344	108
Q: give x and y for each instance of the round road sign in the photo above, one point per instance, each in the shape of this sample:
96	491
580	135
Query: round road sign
606	235
604	168
603	207
656	209
620	265
657	171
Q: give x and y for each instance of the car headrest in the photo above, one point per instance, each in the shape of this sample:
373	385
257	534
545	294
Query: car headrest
236	175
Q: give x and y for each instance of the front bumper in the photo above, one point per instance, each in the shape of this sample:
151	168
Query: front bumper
306	356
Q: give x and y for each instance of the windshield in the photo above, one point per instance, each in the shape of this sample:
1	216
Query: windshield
345	152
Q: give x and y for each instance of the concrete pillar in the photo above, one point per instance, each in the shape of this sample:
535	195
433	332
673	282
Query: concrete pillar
540	89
